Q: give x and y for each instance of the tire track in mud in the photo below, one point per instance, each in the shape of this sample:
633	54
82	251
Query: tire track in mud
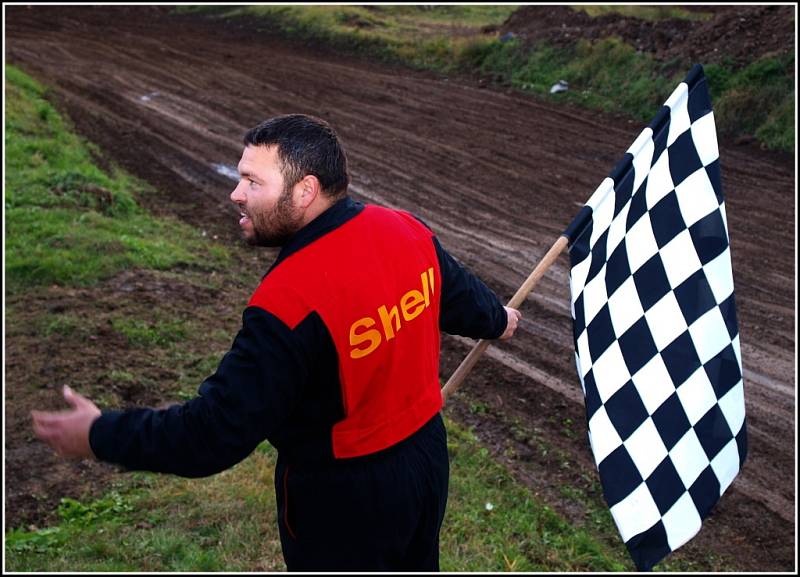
497	176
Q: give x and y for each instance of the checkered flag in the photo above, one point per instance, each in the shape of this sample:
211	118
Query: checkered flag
656	337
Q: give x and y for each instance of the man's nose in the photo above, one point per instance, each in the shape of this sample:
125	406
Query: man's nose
237	195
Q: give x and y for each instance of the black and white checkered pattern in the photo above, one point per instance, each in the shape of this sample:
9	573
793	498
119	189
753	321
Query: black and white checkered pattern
656	337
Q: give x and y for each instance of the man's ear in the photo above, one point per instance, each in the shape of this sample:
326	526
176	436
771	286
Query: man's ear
308	189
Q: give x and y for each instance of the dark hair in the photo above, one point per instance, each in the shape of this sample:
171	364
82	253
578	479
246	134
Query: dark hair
306	145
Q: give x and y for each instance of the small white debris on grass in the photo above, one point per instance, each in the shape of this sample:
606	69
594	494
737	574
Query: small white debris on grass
489	506
560	86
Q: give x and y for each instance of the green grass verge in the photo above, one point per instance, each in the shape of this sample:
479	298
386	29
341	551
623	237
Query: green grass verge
162	523
67	221
610	75
607	75
430	37
758	99
495	524
228	522
644	12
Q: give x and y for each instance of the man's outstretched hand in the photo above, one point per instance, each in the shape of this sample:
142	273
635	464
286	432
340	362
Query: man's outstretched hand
68	431
513	320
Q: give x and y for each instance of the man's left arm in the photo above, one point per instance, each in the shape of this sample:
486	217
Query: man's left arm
469	307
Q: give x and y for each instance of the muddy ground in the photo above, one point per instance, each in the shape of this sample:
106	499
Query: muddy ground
497	174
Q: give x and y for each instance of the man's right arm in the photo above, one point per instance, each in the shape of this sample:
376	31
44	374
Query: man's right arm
257	384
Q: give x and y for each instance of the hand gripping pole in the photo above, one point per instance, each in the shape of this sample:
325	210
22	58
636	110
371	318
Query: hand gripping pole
469	361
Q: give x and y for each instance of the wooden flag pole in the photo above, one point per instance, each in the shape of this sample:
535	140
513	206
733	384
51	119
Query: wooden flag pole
469	361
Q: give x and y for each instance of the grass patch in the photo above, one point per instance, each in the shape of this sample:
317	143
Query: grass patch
429	37
607	75
758	99
228	522
454	15
495	524
67	221
162	523
145	334
193	369
654	13
62	325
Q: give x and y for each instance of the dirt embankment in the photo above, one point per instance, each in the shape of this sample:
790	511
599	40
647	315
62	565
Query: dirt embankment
735	34
497	175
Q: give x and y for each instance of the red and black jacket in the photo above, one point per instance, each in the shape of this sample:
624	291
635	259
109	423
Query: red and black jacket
337	356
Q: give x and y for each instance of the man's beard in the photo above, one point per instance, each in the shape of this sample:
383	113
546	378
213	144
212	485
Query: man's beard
274	226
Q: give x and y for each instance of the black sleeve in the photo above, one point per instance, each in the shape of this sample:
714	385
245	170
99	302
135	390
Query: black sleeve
469	308
255	387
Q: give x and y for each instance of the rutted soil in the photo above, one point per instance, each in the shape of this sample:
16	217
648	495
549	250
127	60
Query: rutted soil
496	174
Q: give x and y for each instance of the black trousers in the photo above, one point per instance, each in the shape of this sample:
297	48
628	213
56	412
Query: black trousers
381	512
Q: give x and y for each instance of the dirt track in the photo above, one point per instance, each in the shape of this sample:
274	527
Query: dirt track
497	175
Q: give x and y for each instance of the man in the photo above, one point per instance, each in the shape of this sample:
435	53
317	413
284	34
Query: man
336	364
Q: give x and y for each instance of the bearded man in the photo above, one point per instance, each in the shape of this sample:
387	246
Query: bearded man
336	365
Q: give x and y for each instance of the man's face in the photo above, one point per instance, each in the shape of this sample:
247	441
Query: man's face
269	215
